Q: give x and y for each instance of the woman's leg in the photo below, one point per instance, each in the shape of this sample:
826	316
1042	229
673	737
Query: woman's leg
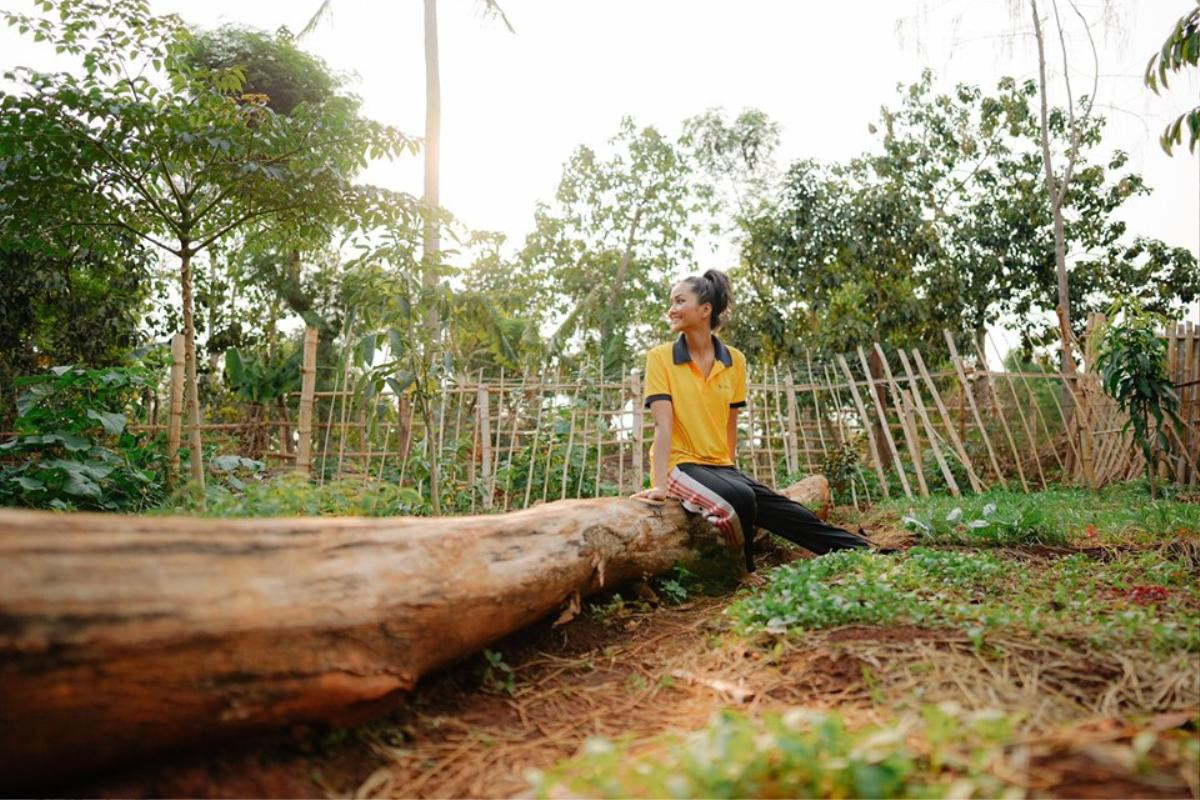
785	517
726	502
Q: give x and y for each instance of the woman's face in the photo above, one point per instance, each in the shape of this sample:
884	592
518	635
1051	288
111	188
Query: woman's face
685	312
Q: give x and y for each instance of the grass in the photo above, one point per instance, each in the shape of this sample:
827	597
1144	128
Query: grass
1116	592
1139	599
293	495
1118	514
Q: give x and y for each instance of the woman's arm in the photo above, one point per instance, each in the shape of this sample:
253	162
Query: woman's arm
731	434
664	418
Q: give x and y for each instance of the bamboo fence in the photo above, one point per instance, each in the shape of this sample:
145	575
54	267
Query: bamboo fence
508	442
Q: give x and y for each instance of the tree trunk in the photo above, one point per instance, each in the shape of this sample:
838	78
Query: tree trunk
189	362
433	132
1055	193
122	635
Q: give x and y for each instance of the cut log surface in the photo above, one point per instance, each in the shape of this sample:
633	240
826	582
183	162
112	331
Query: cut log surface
120	636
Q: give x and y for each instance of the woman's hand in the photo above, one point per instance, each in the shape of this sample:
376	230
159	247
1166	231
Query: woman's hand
652	495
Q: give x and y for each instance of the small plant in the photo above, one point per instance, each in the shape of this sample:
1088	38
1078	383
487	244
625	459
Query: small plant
74	449
498	676
675	587
840	466
1132	365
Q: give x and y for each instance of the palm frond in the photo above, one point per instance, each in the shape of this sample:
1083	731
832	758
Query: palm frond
324	12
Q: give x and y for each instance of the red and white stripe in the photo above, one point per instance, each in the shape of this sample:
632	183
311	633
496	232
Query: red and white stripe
699	499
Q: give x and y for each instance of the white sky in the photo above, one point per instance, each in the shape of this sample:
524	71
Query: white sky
514	106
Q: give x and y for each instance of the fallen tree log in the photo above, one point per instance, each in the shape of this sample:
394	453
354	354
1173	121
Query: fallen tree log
120	636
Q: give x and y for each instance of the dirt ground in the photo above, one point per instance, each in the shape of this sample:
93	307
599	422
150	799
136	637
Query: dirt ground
623	669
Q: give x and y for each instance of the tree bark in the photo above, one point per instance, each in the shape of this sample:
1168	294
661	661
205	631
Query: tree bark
189	361
121	635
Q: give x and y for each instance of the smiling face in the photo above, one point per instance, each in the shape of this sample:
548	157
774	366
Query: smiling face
685	312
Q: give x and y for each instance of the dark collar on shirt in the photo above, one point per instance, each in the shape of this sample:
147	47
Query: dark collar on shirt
682	356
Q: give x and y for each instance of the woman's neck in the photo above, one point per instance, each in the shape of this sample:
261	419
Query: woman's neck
699	341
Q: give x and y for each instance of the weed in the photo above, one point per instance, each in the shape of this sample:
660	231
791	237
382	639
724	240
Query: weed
498	676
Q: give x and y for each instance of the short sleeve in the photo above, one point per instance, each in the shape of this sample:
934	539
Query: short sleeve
658	382
739	384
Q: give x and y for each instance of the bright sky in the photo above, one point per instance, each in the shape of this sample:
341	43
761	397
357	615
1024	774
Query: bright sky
514	106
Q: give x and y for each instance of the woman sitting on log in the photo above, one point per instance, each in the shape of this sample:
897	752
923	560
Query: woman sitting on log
695	387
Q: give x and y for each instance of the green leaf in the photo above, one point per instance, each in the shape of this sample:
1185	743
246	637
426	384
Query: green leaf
30	484
113	422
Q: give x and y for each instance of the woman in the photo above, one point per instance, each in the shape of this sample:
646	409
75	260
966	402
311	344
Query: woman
695	387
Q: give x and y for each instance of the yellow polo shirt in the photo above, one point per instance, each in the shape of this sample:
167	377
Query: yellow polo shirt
700	405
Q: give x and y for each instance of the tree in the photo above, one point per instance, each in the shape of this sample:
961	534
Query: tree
431	243
175	154
619	228
1181	48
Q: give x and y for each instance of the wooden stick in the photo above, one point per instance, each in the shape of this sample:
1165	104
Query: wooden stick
175	429
485	439
887	431
930	433
639	430
1012	445
793	417
966	387
346	403
513	439
599	426
867	426
620	431
914	447
570	439
957	447
1030	435
816	401
499	430
537	432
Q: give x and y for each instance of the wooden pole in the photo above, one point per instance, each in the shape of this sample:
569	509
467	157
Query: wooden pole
867	426
1029	433
514	437
599	426
792	423
910	437
930	433
812	381
308	384
537	433
966	387
883	423
175	429
639	430
977	484
485	440
999	406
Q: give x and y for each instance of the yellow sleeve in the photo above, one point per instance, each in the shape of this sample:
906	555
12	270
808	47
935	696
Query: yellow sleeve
658	382
739	383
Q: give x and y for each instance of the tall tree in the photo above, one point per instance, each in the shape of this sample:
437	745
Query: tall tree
174	154
619	228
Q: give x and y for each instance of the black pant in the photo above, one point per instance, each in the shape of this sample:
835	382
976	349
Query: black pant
733	501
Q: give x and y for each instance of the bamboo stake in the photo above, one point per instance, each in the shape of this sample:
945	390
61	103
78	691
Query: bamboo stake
1012	445
930	433
887	431
347	400
620	433
1187	472
485	440
910	438
867	427
514	437
499	430
966	387
175	429
766	420
570	439
599	426
308	383
816	401
956	444
793	418
750	425
639	430
1030	436
583	436
537	433
1036	409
